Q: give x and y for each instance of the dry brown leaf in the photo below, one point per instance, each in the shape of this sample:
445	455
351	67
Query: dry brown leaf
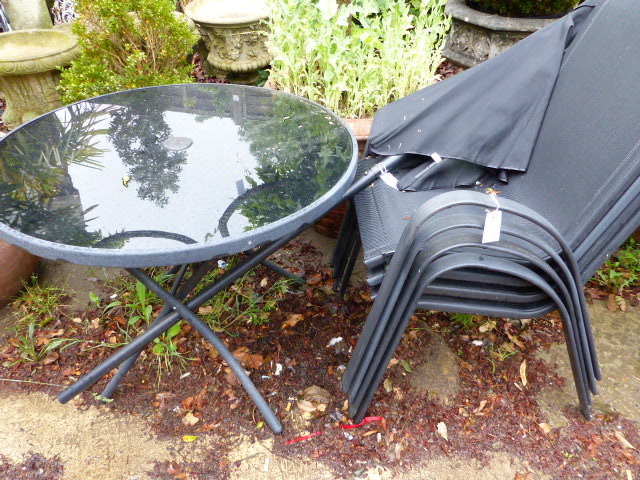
251	360
292	321
187	403
393	362
200	399
190	419
264	282
515	340
523	373
316	394
205	310
545	427
487	326
306	406
50	358
623	441
231	378
442	431
466	365
388	385
622	304
612	305
315	279
483	404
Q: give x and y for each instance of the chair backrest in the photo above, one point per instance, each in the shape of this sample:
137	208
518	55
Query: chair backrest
588	148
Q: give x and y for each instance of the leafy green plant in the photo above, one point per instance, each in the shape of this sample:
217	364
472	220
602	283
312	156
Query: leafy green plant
622	269
355	57
127	44
524	8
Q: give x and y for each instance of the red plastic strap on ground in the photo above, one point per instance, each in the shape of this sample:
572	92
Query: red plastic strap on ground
364	421
299	439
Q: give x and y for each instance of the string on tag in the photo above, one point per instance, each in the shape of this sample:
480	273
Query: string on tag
493	221
494	197
387	177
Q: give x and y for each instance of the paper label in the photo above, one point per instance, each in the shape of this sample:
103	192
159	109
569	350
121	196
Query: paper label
492	224
436	158
389	179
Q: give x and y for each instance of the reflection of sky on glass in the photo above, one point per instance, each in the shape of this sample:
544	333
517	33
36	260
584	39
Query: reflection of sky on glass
207	183
75	160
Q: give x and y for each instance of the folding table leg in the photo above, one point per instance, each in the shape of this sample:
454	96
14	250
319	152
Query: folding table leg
283	272
125	366
218	344
163	324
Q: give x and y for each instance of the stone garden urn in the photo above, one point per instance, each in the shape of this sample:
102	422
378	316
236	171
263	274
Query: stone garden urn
476	36
235	36
29	62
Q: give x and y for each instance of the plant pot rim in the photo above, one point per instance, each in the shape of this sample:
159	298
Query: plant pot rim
360	126
226	12
459	9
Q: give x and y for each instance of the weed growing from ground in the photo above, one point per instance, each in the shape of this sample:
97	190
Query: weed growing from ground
622	270
250	301
38	304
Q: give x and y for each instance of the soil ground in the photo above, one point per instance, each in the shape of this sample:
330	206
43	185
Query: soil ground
500	392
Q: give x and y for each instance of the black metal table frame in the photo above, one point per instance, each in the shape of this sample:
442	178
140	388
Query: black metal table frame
174	310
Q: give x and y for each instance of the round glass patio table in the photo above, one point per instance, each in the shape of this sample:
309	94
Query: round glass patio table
171	174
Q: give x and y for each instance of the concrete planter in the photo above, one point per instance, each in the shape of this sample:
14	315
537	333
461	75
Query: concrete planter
234	36
476	36
29	62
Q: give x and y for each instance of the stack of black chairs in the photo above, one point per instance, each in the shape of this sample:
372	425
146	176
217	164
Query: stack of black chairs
576	203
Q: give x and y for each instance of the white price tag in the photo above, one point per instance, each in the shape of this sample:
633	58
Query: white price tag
436	158
492	224
389	179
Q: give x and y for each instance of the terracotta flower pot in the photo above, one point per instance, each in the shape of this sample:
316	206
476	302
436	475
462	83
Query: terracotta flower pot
16	266
361	128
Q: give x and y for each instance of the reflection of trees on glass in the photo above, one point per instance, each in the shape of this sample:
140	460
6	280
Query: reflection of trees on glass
137	132
301	151
36	194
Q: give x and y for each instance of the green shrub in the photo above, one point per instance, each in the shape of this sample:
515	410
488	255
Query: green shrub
127	44
355	57
524	8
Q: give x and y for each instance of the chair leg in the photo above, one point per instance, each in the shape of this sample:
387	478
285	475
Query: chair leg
385	349
353	257
348	230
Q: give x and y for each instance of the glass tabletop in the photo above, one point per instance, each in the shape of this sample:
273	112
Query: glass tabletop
171	174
